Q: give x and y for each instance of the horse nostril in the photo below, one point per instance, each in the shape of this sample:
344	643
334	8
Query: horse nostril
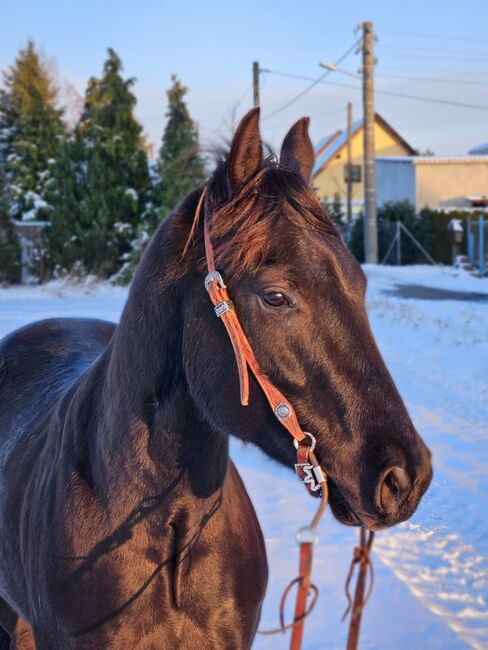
394	490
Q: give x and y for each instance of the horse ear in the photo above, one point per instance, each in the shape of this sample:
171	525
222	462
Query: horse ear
297	151
245	151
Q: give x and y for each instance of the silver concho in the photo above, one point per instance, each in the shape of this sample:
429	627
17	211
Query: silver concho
283	411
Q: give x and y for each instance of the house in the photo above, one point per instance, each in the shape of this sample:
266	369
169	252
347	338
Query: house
328	175
446	183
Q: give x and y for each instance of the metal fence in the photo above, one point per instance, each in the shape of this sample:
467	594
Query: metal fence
477	231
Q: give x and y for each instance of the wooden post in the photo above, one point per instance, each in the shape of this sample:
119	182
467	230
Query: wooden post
370	219
349	163
255	82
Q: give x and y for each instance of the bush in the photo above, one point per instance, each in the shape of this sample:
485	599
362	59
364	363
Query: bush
429	227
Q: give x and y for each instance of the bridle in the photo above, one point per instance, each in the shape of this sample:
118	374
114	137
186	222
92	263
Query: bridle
307	466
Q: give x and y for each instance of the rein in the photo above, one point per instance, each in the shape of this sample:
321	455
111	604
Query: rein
307	467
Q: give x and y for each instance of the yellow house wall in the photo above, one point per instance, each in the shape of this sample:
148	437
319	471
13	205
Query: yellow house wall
330	180
447	185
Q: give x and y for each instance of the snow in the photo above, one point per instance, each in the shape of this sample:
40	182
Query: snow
456	225
130	191
431	572
37	202
121	227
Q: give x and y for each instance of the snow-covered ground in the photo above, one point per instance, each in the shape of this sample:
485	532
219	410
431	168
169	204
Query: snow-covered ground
431	572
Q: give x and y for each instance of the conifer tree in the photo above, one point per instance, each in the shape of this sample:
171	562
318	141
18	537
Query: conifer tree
9	245
180	167
31	130
102	179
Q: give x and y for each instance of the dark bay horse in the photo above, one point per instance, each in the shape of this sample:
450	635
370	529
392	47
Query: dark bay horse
123	522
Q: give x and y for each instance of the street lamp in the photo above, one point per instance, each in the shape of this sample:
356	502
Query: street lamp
333	68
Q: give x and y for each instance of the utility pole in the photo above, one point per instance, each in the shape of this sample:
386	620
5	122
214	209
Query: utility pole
255	82
370	220
349	163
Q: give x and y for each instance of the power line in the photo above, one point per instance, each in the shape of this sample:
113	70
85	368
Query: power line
410	55
315	116
435	80
434	51
312	85
471	73
383	92
450	37
243	96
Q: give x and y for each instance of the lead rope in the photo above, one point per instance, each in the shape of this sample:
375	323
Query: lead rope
306	538
361	558
307	467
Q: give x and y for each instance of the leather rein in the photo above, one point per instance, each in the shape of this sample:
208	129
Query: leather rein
307	466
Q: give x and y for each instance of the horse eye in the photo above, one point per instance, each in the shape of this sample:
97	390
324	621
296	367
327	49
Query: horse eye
276	299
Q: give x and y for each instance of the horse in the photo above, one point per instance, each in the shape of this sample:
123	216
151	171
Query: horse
124	523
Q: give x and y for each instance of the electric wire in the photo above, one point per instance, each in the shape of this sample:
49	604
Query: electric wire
383	92
463	82
312	85
450	37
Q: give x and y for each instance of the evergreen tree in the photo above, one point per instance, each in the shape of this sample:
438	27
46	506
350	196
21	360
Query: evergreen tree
9	245
31	129
180	167
103	178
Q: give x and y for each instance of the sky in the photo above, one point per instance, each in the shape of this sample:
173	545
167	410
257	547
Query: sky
434	49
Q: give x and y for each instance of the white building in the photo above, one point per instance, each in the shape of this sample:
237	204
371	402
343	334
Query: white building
434	182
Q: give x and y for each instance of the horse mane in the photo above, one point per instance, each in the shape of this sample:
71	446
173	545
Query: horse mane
244	227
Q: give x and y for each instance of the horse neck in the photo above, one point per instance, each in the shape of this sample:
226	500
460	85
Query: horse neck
149	428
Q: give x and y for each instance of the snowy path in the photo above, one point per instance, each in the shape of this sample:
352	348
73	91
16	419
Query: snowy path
432	577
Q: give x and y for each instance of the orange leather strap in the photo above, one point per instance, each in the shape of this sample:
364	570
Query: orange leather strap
304	586
224	308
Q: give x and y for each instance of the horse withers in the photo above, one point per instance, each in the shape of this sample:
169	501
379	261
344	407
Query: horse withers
123	522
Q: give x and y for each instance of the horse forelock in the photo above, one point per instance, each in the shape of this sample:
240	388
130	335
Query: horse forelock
245	228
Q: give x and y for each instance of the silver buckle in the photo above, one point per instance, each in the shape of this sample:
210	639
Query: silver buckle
222	307
214	275
312	439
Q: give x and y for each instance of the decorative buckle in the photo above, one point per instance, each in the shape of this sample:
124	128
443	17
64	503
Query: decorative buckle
222	307
310	474
214	275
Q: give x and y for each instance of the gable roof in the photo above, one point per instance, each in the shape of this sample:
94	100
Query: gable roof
335	146
320	146
330	146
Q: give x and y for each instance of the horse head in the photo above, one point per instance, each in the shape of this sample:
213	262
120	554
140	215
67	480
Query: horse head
300	297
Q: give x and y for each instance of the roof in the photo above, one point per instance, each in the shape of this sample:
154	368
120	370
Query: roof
335	146
325	141
480	149
433	160
329	147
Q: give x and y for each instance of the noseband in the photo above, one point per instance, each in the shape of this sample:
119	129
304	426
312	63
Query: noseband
307	466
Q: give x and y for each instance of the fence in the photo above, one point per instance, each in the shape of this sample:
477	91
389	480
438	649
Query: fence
477	233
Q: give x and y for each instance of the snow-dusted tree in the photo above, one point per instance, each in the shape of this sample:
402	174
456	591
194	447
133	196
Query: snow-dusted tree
102	179
9	245
31	129
180	167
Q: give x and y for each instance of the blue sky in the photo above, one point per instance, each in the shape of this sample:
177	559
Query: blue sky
211	46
